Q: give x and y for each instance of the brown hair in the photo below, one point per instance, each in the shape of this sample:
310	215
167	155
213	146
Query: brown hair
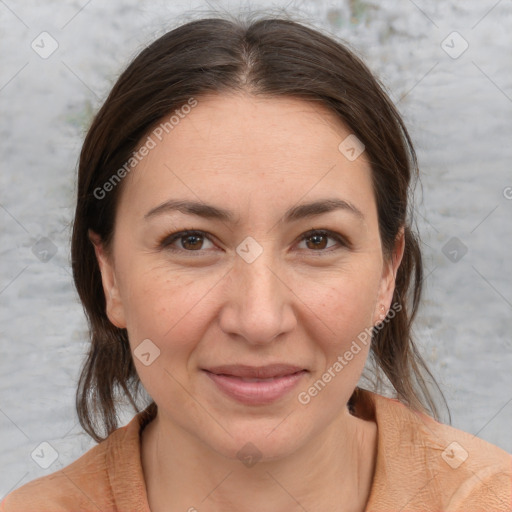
271	56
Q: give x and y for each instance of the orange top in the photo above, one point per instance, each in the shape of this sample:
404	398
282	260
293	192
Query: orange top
422	465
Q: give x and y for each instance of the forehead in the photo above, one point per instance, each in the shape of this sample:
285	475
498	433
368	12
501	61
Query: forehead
255	149
241	126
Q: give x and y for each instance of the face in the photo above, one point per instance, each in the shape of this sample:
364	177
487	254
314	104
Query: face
263	280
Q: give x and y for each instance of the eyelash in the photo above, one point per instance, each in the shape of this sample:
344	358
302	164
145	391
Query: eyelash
166	242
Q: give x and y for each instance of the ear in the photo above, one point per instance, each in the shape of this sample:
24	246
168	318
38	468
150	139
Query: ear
115	310
388	278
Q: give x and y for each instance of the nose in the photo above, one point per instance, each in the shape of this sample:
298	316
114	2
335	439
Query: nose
259	303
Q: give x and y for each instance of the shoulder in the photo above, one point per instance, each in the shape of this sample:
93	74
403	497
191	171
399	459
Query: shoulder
80	486
472	474
425	464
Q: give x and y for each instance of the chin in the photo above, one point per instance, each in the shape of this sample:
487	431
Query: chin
254	440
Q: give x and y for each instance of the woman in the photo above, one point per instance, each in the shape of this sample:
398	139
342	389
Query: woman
241	245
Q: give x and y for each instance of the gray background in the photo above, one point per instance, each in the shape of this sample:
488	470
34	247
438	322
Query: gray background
457	104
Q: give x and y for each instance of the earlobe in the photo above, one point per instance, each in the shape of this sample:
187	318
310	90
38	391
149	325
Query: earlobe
114	305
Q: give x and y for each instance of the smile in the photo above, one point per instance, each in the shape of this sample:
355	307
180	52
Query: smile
253	390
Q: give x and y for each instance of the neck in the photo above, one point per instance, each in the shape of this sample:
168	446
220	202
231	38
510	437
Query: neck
333	471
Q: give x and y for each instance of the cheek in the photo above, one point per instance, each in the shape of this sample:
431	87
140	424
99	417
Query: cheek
158	305
341	344
164	311
346	301
345	309
169	311
173	310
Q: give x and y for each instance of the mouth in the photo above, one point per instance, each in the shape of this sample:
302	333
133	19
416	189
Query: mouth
253	385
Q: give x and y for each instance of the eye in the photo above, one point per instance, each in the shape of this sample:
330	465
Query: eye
194	240
316	240
190	241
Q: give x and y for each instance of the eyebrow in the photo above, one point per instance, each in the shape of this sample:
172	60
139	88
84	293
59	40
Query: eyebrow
295	213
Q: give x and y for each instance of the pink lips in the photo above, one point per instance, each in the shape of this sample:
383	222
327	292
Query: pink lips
253	385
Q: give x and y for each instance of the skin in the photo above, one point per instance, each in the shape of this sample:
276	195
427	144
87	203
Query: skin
298	302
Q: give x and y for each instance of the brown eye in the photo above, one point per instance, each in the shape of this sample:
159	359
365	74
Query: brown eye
191	241
317	240
185	241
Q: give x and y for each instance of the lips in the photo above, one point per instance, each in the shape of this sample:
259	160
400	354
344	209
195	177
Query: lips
272	371
253	385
